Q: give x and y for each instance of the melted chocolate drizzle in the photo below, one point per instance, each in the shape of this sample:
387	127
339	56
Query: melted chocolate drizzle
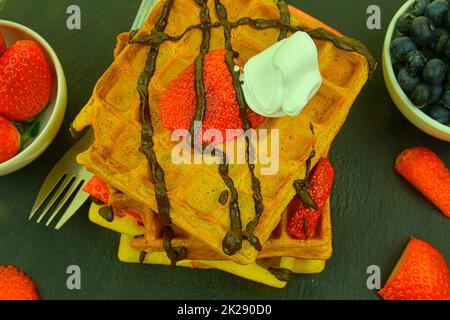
147	144
205	26
232	243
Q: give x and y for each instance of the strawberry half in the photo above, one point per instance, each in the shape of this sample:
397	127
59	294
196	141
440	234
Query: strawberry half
179	100
421	274
9	140
98	189
425	171
304	217
25	81
2	45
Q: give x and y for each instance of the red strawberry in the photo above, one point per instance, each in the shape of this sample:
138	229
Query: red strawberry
303	216
425	171
2	45
179	100
421	274
25	81
97	188
9	140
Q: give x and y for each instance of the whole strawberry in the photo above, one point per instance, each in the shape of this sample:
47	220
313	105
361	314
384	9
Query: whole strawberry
9	140
25	81
179	100
307	206
421	274
2	45
16	285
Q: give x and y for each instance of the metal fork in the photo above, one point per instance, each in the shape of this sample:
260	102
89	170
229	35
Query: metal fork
69	177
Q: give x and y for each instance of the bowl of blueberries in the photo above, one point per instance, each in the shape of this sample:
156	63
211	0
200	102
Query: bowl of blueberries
416	58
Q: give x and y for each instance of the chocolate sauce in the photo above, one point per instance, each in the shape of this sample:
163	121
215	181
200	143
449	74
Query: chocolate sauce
147	144
302	186
142	257
223	198
285	19
205	26
231	241
281	274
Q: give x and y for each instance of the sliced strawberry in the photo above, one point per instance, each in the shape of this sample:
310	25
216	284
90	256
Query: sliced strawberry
25	81
2	45
425	171
9	140
97	188
421	274
178	103
304	217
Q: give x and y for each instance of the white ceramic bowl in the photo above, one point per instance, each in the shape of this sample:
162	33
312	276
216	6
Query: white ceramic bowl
401	100
51	119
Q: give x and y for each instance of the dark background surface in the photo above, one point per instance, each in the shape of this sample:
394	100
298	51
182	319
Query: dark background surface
374	211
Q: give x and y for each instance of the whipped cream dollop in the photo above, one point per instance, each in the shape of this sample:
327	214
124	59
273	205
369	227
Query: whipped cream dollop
282	79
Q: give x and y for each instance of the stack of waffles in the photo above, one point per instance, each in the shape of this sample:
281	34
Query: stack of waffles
200	222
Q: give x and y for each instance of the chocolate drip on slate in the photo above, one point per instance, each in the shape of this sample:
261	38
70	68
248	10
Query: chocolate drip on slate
147	145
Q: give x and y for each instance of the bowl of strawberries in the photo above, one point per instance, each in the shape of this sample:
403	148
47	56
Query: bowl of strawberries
33	96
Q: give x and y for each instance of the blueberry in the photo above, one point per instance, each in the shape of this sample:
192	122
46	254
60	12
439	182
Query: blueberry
445	101
436	93
434	71
407	81
398	66
422	31
439	113
439	45
446	22
421	95
404	23
429	53
437	11
447	50
416	61
400	47
418	7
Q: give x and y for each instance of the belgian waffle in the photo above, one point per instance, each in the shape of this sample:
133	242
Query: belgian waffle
131	252
150	234
193	190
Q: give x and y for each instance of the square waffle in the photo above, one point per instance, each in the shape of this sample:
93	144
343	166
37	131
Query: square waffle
193	190
130	249
150	234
